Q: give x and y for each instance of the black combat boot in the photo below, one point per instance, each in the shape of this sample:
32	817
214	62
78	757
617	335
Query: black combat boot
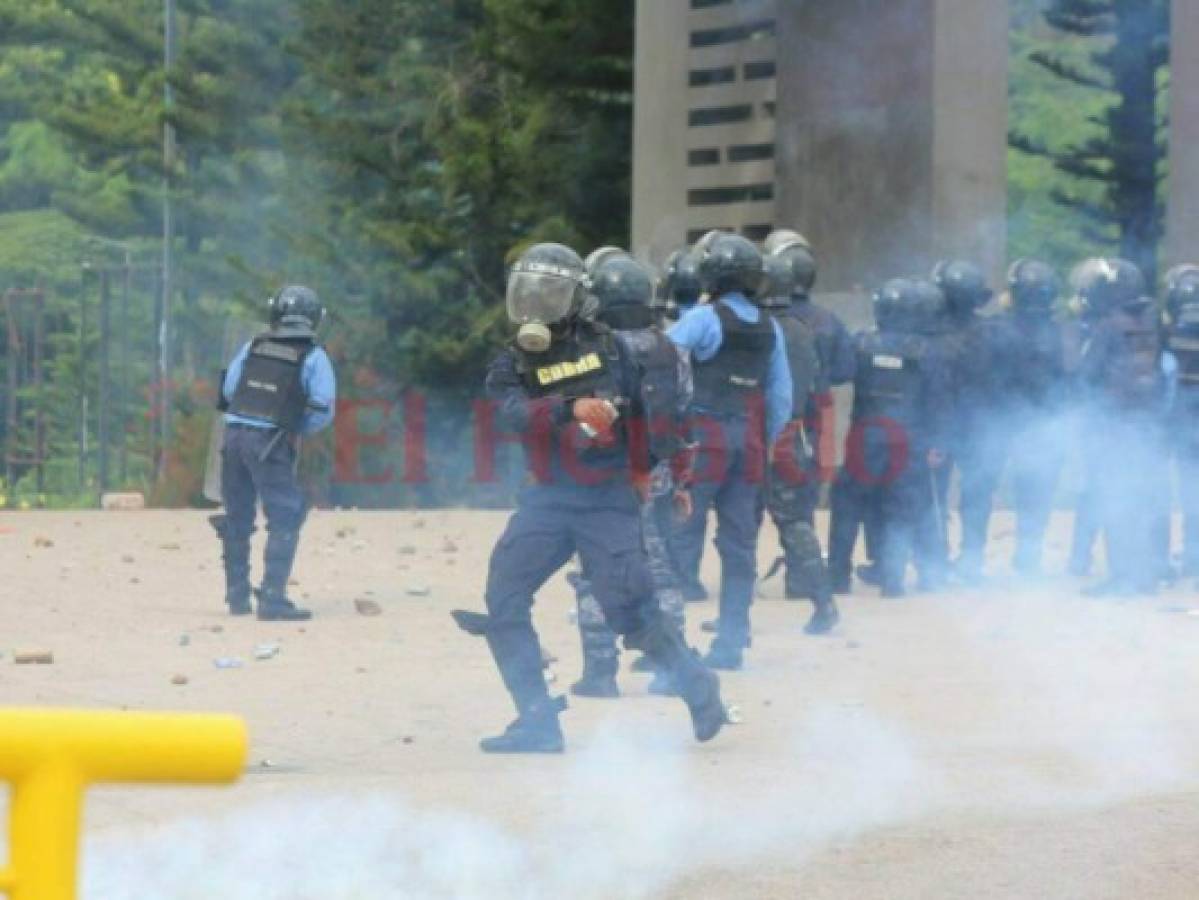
235	555
280	555
869	574
274	606
536	730
598	681
699	687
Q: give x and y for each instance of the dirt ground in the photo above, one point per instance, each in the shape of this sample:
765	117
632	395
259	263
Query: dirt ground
1012	742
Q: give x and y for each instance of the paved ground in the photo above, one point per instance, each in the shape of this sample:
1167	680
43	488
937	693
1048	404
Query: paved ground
1006	743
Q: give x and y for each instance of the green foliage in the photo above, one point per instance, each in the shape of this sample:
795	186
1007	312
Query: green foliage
1107	148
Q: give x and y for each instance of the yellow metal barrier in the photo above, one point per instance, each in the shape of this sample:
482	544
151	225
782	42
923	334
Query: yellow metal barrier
50	757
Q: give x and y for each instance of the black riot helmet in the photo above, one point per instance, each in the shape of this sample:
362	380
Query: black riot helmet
731	264
909	306
1034	286
1110	284
925	308
889	304
799	260
964	286
1182	297
778	284
678	286
598	257
623	290
296	307
546	290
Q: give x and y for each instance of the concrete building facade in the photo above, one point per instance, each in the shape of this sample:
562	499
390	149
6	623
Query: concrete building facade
877	129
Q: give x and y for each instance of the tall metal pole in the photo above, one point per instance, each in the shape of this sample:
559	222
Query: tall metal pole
102	404
123	388
168	238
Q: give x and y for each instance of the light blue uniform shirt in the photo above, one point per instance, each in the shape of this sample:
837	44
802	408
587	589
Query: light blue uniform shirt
320	384
699	333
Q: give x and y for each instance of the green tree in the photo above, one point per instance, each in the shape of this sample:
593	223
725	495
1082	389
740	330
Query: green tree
1120	52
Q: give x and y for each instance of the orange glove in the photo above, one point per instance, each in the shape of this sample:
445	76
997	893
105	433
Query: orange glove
683	507
594	414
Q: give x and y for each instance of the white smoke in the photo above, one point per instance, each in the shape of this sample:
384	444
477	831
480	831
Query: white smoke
633	817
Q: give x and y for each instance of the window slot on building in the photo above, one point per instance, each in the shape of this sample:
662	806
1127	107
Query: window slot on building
750	193
758	70
708	4
712	37
720	115
750	152
757	232
704	157
769	106
705	77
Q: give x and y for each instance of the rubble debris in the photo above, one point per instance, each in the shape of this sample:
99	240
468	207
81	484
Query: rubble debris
42	541
227	662
179	680
418	523
122	502
266	651
171	545
185	640
418	590
33	657
127	559
732	714
448	546
368	608
407	550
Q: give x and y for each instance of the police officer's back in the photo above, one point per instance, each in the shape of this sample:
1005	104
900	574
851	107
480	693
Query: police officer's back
1122	364
279	387
1036	392
793	477
901	393
743	400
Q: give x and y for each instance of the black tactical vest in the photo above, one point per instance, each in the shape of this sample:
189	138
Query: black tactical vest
1185	347
1037	364
271	388
585	365
726	382
802	357
888	377
1134	377
661	393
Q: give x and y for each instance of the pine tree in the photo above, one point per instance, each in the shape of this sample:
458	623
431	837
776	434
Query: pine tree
1127	61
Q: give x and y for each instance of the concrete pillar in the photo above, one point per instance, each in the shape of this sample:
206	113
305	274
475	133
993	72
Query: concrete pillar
892	134
1182	216
660	127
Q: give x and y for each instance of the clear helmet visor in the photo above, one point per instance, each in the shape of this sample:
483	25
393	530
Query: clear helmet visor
540	298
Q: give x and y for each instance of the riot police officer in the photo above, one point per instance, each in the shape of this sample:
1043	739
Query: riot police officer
1088	308
739	360
978	441
1182	307
567	387
1036	387
790	497
1123	365
897	434
279	386
834	346
622	290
